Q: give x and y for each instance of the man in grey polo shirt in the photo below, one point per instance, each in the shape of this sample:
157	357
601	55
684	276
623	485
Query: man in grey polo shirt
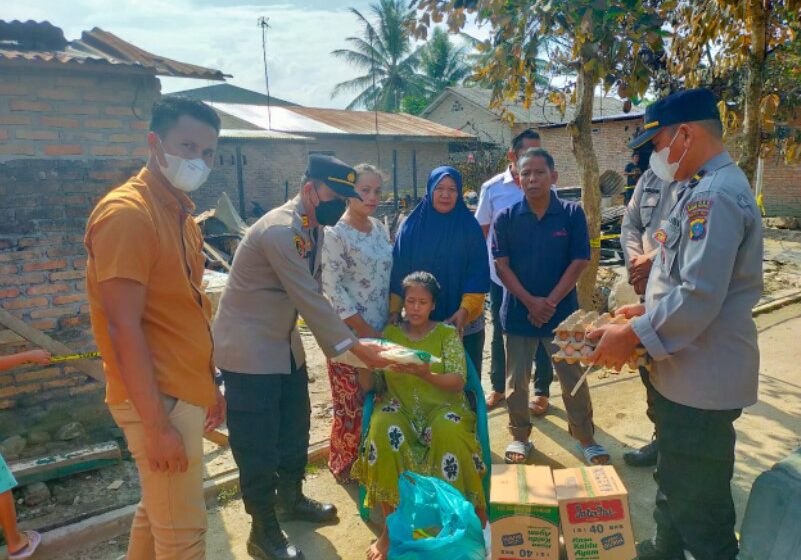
697	326
649	206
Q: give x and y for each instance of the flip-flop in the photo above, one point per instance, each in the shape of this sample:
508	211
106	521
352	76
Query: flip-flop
593	452
536	408
518	448
495	399
34	540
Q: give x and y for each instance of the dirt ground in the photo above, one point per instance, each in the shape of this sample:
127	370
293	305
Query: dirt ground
767	432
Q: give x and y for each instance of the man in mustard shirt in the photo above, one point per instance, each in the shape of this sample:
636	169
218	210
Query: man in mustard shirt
150	320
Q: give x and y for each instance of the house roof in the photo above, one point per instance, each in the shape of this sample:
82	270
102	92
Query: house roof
229	93
34	42
246	134
317	121
606	118
541	112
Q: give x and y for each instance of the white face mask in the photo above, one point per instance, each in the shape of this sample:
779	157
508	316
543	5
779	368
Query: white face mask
659	162
184	174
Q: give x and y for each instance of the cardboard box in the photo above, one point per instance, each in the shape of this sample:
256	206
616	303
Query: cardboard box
524	513
594	509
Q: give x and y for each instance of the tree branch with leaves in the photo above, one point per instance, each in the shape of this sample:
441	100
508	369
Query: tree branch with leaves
608	43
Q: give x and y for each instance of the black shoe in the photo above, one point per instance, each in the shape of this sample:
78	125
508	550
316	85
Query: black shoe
644	456
294	506
649	550
268	542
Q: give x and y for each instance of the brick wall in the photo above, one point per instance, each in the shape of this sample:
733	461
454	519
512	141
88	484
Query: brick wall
266	166
44	204
429	154
781	183
72	114
609	140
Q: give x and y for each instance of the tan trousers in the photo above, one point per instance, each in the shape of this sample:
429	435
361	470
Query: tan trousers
520	351
170	522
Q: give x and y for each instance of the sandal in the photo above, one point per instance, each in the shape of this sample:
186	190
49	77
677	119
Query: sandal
539	405
595	454
521	448
495	398
34	540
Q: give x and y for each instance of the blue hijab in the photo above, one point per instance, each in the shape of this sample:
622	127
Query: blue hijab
450	246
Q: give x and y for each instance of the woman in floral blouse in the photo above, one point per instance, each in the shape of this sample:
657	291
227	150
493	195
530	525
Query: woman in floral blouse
356	265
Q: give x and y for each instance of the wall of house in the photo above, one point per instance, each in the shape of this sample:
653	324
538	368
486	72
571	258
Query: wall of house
429	154
268	166
44	204
609	140
74	114
781	182
465	116
67	136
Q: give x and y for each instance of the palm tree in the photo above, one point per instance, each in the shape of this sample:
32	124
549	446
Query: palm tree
385	51
443	63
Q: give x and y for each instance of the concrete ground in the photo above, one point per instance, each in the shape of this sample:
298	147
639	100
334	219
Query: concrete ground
767	432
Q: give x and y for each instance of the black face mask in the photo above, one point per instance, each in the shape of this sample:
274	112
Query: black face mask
328	213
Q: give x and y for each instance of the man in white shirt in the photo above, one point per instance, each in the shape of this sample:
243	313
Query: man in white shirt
498	194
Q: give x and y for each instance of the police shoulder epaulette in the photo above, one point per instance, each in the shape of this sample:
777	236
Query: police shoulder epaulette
697	178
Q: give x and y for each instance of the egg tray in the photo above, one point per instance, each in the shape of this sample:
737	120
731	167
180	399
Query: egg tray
574	346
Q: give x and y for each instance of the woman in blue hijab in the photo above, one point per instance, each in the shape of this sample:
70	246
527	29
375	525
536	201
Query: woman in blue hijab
441	236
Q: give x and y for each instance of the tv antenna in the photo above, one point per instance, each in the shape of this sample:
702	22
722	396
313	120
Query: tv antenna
375	98
264	23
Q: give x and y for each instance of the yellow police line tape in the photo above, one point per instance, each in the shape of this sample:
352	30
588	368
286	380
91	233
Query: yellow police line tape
597	241
70	357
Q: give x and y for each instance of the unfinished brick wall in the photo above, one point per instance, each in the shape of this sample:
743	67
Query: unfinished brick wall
74	113
44	204
609	140
267	165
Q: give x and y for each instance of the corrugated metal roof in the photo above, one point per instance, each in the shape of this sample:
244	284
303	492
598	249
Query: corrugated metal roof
540	112
229	93
101	47
261	135
316	121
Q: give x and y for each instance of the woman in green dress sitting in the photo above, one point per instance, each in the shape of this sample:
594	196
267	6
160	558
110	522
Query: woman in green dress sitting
422	421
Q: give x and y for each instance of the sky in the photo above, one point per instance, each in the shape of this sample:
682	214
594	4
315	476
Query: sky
224	34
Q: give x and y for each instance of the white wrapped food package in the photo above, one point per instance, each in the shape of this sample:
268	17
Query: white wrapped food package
393	352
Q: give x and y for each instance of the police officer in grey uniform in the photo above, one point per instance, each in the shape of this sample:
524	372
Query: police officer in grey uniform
697	326
650	203
275	277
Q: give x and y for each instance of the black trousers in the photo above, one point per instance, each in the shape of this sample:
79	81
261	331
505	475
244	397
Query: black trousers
543	368
694	505
649	397
268	429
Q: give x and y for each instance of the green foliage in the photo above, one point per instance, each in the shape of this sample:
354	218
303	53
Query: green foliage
414	104
715	44
395	70
443	63
614	41
384	50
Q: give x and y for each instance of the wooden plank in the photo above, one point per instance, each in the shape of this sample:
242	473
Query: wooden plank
92	368
60	465
216	255
7	336
217	436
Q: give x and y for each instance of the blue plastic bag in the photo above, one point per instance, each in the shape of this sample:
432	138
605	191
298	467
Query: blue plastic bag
433	522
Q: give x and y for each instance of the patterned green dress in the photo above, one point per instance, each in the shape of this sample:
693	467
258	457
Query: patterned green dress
421	428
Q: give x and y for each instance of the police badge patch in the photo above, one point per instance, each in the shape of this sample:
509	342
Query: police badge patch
697	213
697	229
300	246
